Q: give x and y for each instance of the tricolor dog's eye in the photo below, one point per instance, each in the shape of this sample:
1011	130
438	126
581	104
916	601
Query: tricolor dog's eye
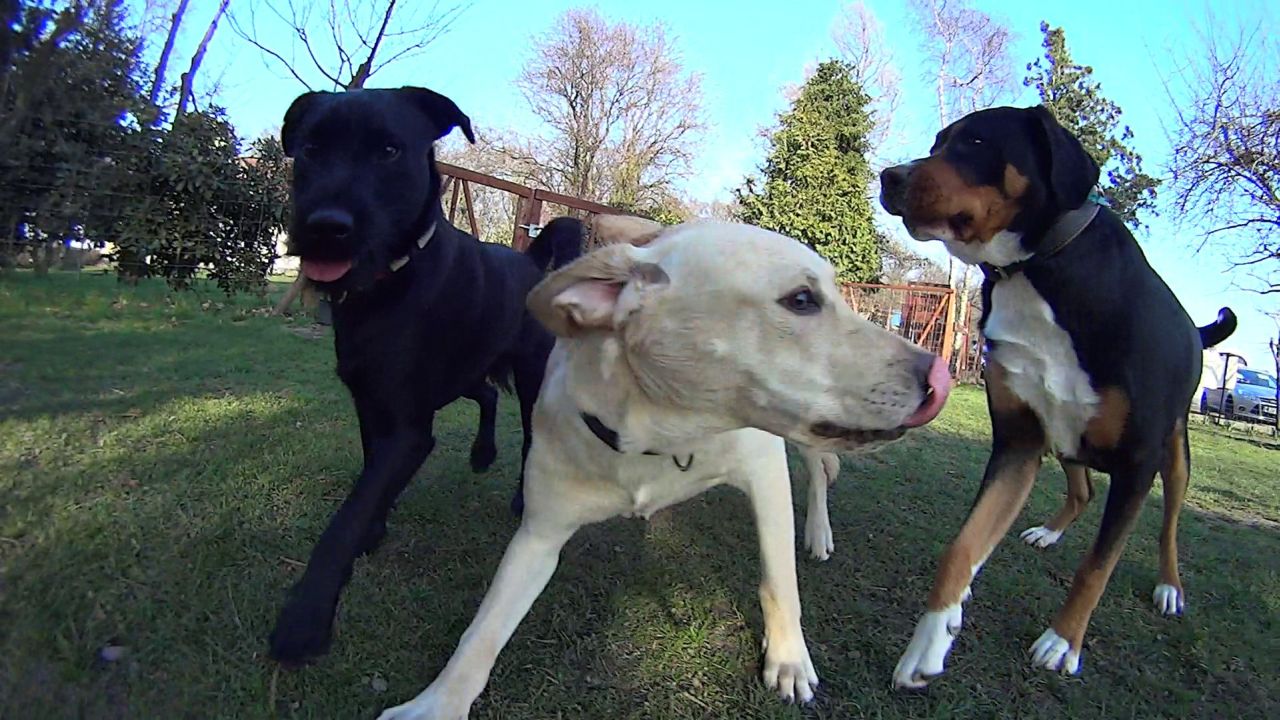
801	301
389	153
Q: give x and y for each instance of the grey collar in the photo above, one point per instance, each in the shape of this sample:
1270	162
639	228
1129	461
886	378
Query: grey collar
1066	228
399	262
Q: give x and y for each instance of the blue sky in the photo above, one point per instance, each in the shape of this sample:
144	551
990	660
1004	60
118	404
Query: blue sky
749	51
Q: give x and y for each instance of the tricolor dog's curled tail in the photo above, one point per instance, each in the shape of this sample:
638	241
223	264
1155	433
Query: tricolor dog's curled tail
1218	330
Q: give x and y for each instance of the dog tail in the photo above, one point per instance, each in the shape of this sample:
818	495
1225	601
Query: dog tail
1218	330
558	244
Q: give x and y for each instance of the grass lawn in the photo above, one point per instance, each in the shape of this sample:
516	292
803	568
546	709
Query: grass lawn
166	464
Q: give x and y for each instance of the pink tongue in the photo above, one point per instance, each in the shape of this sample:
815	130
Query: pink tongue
325	270
940	383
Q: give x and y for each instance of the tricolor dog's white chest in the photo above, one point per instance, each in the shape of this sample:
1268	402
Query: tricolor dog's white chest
1040	362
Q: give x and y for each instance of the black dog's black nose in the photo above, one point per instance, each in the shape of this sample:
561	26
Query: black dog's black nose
330	224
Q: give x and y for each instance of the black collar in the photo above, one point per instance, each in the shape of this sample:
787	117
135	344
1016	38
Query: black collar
609	437
1066	228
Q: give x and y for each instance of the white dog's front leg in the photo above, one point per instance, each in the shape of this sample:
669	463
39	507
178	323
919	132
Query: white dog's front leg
526	567
787	666
823	469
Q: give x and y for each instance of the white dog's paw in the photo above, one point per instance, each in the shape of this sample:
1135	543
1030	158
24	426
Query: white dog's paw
1054	652
1169	600
789	670
929	646
817	537
431	704
1040	536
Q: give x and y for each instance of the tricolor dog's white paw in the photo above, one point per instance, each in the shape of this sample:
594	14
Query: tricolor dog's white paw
431	704
817	536
1169	600
789	670
1040	536
927	652
1054	652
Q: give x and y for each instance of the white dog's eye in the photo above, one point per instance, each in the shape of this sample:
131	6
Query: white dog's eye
801	301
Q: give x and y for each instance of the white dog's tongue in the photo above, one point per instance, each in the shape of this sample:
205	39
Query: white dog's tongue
325	270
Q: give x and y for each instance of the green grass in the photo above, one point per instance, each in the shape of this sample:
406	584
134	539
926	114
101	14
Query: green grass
165	464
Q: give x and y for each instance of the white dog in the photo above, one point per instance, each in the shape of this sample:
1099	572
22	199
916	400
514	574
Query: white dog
683	355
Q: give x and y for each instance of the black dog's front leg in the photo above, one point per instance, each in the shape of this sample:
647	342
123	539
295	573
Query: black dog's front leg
304	628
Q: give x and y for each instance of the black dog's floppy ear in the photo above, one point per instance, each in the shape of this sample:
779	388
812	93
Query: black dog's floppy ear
1072	173
293	116
442	111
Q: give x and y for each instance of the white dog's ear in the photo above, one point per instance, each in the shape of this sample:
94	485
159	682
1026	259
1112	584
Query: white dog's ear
598	291
609	229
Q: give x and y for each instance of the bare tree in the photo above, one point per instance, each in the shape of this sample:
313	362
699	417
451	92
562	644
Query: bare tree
1224	164
968	53
859	39
188	78
970	67
157	85
347	41
622	111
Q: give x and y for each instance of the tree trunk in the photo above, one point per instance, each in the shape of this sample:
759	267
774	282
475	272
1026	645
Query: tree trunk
189	77
163	62
362	73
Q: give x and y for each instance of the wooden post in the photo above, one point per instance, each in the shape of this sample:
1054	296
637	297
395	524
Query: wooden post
949	330
532	216
471	209
453	203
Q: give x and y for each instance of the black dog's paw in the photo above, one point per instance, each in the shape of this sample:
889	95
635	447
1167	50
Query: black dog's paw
302	633
373	536
483	453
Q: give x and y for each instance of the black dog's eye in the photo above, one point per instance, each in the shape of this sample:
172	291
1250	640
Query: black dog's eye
389	153
308	151
801	301
973	140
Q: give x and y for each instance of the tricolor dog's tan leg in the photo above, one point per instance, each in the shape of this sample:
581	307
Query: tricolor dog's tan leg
1018	444
527	565
787	666
1059	647
823	468
1079	493
1169	596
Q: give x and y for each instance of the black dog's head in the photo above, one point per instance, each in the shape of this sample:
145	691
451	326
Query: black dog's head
993	182
365	185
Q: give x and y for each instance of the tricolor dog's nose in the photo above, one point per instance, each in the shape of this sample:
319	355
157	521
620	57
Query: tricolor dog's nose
935	383
329	224
893	182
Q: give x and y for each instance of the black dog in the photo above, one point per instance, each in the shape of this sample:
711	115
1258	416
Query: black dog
1091	357
422	313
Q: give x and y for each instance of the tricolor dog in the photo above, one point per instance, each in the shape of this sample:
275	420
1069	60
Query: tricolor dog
674	373
1091	357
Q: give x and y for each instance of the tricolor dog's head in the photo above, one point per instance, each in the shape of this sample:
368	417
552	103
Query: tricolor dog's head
993	183
746	328
365	184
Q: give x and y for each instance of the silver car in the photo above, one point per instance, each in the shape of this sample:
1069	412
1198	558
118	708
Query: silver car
1250	396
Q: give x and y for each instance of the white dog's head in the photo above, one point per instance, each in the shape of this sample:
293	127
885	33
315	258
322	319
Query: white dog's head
745	326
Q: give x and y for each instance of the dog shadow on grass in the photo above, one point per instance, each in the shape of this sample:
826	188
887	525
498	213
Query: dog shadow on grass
177	542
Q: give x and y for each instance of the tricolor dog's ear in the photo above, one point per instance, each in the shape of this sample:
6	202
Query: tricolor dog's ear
444	113
1072	173
598	291
293	117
